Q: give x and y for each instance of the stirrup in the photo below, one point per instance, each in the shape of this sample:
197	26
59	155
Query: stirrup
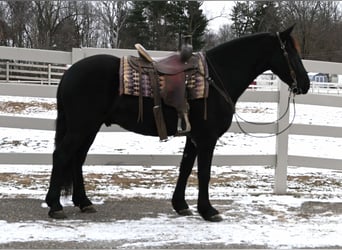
183	125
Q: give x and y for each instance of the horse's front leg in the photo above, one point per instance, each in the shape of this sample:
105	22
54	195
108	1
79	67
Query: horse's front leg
187	163
204	159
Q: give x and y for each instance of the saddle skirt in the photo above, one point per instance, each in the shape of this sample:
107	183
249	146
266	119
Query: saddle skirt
135	77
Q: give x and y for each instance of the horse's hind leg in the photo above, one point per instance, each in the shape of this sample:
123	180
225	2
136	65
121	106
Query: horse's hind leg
59	159
61	175
53	196
187	163
65	157
79	196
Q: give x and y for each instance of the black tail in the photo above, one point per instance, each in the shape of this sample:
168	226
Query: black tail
60	121
61	129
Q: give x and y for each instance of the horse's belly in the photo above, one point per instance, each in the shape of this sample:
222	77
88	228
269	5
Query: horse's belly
128	115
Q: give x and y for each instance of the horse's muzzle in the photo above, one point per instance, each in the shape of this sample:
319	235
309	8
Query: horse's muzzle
299	91
295	90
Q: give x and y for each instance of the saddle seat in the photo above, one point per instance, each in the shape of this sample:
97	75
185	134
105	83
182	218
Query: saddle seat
169	65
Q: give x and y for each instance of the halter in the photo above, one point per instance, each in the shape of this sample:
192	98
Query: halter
293	90
294	85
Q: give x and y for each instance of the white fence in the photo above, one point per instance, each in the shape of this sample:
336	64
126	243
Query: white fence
27	72
281	159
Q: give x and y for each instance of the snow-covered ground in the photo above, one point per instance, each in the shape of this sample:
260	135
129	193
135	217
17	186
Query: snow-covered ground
252	214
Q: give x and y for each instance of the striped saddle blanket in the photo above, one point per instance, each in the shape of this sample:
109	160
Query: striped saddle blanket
190	78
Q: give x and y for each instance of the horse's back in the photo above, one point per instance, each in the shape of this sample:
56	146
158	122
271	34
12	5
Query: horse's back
88	89
95	70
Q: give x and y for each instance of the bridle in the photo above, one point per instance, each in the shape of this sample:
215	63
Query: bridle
294	85
293	90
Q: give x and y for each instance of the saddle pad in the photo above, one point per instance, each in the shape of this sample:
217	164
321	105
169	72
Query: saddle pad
132	82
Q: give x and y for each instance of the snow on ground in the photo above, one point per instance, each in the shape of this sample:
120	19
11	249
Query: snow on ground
269	231
252	214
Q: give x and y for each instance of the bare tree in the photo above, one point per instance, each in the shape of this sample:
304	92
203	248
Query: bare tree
113	15
19	13
318	27
55	20
4	28
89	27
304	14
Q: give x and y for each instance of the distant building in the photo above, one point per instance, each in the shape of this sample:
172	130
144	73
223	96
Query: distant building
318	77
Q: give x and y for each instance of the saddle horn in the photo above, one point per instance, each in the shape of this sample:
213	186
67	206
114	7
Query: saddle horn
186	49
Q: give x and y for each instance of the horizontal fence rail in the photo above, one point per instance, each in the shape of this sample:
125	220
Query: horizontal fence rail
280	160
31	73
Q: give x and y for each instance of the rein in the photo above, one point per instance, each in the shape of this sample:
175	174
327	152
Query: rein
292	93
237	117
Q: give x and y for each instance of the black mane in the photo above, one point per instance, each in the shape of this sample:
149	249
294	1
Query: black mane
240	41
240	61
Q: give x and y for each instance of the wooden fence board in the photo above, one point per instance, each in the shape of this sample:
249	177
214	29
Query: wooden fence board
137	159
315	162
320	100
28	90
35	55
316	130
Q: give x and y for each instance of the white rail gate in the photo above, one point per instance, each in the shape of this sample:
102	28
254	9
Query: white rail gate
280	160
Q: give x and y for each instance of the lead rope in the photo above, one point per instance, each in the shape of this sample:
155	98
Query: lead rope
292	92
226	97
237	117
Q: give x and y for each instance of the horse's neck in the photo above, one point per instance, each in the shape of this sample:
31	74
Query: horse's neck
238	64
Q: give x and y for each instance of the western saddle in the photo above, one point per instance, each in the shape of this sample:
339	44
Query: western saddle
169	76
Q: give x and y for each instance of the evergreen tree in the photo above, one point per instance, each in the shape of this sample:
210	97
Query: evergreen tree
266	17
162	30
242	17
196	23
136	29
258	16
159	25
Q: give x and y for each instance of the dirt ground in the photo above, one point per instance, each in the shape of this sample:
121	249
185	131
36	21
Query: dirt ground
18	210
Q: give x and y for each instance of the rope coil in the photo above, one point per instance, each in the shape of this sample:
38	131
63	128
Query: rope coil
291	96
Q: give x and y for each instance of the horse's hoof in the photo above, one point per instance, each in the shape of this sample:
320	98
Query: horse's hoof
88	209
59	215
215	218
184	212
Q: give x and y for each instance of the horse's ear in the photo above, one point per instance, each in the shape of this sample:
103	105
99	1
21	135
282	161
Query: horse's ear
287	32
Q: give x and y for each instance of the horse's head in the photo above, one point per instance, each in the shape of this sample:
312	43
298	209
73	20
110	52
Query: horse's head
287	64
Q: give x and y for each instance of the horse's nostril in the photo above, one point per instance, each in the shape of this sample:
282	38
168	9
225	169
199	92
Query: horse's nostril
295	90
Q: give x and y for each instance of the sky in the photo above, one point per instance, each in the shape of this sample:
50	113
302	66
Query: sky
214	9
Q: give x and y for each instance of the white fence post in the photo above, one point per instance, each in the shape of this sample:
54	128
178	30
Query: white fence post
280	180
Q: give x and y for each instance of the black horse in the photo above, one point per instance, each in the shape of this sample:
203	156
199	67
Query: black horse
88	96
